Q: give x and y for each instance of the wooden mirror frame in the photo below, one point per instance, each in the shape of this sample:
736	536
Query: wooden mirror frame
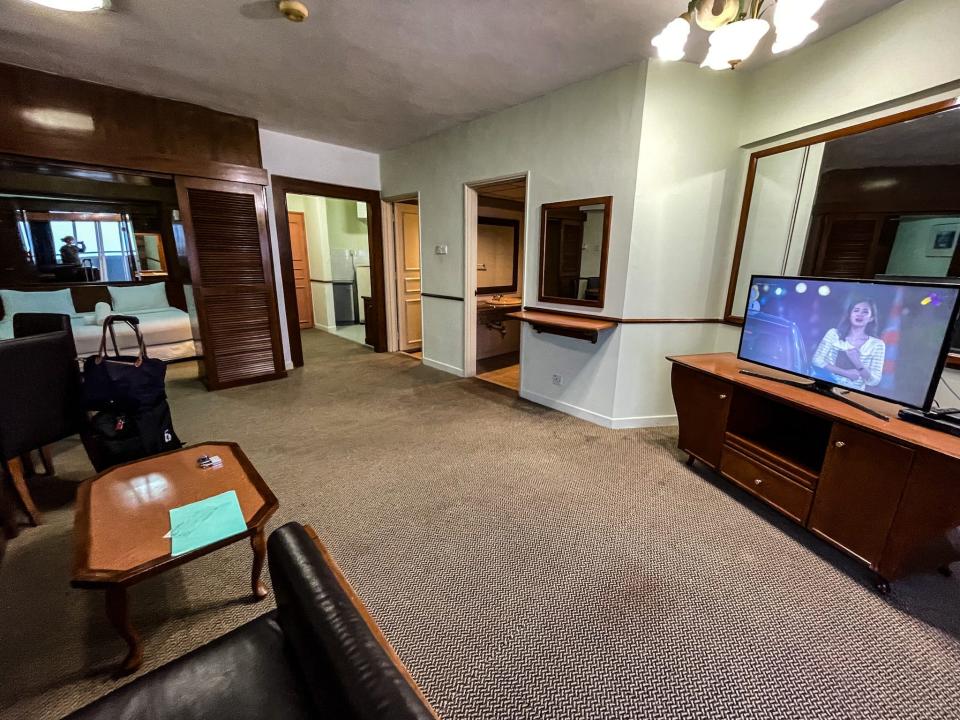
515	224
912	114
607	202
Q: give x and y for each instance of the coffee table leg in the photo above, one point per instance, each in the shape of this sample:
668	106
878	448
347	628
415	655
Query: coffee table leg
259	545
118	613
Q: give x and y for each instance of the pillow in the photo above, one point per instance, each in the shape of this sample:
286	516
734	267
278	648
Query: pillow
100	313
130	298
43	301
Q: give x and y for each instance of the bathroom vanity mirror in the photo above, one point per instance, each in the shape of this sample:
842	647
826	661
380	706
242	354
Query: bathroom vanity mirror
498	255
574	237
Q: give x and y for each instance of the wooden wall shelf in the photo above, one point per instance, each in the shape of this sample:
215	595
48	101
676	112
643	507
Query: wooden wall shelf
567	325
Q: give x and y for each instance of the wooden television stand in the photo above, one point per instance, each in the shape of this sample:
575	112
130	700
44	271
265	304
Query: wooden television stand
885	492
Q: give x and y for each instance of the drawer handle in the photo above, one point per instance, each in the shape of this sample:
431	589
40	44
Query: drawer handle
840	444
758	481
723	396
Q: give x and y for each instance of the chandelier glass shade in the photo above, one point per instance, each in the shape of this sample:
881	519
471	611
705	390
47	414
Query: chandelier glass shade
75	5
737	27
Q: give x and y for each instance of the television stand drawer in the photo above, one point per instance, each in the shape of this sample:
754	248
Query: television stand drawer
788	497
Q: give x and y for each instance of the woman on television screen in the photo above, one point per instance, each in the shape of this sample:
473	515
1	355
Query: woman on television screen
851	352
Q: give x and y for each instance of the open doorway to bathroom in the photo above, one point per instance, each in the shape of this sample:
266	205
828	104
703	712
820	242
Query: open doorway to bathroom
499	236
331	256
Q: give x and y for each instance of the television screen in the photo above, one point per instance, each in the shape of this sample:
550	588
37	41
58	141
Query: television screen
888	340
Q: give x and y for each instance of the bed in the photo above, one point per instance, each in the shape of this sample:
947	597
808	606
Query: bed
167	331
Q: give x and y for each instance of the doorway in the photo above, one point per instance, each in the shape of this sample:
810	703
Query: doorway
332	265
496	224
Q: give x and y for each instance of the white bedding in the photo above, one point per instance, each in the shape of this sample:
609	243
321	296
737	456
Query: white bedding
165	331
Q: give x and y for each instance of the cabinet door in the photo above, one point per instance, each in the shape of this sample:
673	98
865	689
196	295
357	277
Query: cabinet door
703	404
859	491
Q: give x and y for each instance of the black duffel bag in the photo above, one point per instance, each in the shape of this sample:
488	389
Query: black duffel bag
132	418
123	381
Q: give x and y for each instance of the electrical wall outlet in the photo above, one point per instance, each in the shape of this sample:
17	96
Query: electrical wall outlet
441	249
558	379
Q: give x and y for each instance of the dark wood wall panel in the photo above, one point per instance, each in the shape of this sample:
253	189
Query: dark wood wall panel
48	116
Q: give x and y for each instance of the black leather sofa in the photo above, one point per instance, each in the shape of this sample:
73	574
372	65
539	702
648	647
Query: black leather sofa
318	655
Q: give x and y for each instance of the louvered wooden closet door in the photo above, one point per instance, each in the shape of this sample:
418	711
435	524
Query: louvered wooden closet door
231	266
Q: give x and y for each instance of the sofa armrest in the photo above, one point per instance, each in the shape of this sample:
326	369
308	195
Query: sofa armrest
343	656
368	619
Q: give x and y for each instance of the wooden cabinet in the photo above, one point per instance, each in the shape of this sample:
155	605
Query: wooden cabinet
859	491
884	491
703	403
774	488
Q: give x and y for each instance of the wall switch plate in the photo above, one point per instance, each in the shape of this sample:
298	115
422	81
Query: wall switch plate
441	249
558	379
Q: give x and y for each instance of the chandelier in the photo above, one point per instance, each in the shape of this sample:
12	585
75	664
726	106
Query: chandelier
736	27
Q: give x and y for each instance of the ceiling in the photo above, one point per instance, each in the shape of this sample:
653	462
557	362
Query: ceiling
362	73
931	140
506	190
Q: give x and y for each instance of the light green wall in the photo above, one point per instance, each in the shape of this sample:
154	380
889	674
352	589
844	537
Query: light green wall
909	253
578	142
907	49
345	229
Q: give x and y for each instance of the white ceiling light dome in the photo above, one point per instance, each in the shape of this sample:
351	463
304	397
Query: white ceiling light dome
732	44
794	22
75	5
671	41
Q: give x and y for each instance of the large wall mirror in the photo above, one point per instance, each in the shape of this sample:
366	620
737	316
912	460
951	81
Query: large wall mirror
878	200
574	238
498	255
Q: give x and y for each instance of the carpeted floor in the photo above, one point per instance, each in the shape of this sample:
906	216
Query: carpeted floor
525	564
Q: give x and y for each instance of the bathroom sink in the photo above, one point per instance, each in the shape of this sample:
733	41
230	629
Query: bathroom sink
504	302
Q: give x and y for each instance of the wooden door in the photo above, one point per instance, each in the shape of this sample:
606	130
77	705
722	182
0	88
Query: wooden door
859	490
301	268
407	219
228	248
853	246
703	405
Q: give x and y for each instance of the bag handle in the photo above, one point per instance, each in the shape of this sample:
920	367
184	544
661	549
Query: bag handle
134	324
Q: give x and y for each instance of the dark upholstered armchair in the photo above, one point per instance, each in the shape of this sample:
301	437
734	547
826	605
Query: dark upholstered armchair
318	655
40	387
27	324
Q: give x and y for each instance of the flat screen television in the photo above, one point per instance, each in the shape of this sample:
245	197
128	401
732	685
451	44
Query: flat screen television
888	340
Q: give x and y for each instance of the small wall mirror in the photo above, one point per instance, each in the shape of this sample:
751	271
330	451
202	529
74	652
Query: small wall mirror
498	255
574	238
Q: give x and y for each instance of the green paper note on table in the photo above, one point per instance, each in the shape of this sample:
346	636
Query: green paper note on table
205	522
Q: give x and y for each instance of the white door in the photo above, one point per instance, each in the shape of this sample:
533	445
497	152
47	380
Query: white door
407	219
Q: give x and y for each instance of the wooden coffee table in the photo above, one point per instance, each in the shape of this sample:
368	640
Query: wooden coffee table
123	517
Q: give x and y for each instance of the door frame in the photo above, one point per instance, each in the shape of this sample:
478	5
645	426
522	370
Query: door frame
470	221
281	186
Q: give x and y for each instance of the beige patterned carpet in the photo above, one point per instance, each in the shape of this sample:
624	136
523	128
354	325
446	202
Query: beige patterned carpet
525	564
